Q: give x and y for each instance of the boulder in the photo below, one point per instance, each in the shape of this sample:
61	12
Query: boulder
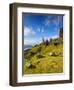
61	54
53	54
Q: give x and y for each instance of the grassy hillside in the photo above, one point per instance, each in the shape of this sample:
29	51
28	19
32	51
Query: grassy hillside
44	59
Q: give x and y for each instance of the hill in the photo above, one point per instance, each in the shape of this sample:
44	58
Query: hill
47	57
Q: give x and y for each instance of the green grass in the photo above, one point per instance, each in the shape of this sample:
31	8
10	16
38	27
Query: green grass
45	64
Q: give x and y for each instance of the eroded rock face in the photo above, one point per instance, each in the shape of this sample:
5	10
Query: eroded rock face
30	65
55	54
61	54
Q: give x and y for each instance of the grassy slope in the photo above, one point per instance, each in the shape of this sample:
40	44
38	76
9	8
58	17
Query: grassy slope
47	64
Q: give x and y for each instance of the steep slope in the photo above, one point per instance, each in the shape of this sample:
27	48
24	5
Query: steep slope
44	59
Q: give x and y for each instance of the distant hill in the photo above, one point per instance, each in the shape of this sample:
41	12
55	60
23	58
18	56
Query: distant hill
27	47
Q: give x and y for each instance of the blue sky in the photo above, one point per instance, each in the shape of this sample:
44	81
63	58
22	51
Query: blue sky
37	26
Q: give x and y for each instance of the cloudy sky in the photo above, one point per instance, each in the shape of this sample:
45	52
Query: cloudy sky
38	26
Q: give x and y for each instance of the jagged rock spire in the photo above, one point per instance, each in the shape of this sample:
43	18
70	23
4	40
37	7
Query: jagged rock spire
61	33
43	41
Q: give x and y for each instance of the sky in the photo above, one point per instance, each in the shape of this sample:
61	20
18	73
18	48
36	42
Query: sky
38	26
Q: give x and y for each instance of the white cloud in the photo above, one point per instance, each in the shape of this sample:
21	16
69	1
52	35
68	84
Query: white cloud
47	22
27	42
39	41
55	36
55	20
28	31
49	37
40	30
30	41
